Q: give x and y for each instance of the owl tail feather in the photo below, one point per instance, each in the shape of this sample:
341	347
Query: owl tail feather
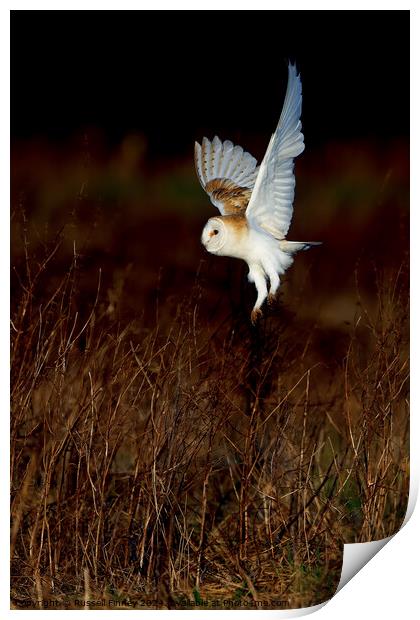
295	246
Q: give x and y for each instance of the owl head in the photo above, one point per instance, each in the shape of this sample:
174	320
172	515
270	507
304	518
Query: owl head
214	235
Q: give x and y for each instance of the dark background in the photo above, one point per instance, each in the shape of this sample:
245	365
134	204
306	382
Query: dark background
174	75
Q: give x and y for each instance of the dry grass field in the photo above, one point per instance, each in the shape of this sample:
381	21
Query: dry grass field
165	453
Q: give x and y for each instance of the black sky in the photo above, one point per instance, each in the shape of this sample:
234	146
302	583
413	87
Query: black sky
177	75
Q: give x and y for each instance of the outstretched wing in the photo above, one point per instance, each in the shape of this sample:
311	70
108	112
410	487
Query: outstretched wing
271	203
227	173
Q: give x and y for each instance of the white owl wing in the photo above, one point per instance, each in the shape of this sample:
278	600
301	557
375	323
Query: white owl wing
271	203
227	173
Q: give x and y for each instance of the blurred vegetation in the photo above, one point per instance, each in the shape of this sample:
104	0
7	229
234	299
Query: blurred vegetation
164	451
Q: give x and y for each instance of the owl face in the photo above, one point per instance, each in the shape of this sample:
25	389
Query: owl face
214	235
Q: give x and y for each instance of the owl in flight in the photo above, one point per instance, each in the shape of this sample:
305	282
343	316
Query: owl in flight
255	202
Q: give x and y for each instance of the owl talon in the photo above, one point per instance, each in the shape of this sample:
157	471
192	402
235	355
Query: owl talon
255	315
271	299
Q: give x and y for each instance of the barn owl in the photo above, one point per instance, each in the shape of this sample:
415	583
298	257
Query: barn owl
255	202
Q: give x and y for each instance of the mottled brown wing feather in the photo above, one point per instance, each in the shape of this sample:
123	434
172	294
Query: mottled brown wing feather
228	197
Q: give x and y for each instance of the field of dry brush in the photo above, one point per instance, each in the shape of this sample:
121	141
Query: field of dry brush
164	452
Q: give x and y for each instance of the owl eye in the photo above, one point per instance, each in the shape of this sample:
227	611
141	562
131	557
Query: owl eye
215	232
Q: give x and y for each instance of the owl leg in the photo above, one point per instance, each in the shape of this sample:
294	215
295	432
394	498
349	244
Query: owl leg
274	282
256	275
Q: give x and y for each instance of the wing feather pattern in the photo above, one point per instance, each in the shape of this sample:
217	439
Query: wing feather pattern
271	203
227	173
